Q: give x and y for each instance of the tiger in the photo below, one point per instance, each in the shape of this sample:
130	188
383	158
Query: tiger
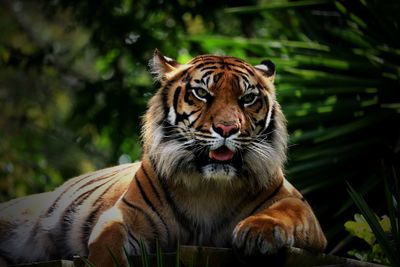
211	173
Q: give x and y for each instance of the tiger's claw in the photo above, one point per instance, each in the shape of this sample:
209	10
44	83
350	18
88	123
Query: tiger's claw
262	234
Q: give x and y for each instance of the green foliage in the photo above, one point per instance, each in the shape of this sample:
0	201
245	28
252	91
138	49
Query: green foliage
145	257
385	231
360	228
144	254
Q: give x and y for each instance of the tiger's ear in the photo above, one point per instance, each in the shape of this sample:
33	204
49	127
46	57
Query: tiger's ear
267	69
161	65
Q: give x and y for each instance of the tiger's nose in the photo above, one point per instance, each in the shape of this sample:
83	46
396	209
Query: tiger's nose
226	130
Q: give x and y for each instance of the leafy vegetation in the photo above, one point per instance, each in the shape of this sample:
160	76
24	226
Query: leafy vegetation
385	231
74	84
360	228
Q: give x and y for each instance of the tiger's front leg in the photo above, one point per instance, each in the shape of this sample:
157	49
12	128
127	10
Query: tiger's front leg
112	238
108	237
109	242
288	222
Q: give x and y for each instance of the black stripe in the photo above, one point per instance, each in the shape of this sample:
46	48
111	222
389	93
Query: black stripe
206	61
210	59
208	73
55	203
92	181
198	66
250	71
150	204
104	192
206	134
152	185
217	77
236	81
263	100
80	199
87	226
200	129
277	189
165	92
90	219
179	215
68	221
176	98
242	75
131	236
207	68
188	88
195	120
146	215
172	133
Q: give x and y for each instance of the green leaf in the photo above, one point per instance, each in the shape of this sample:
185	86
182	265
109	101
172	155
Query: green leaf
373	222
275	5
178	256
160	261
114	258
360	229
128	258
144	253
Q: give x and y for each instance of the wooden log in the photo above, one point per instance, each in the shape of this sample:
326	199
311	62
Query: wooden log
193	256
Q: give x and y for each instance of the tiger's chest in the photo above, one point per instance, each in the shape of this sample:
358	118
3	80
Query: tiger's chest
208	220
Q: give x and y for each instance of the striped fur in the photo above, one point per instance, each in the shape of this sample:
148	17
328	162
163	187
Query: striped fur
211	174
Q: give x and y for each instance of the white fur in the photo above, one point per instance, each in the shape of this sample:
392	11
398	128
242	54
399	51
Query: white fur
219	172
111	216
168	154
171	115
23	241
262	67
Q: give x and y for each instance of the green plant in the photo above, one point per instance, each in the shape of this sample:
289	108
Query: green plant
360	228
381	234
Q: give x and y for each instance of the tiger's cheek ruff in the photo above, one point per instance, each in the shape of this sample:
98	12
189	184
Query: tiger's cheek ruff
170	155
265	156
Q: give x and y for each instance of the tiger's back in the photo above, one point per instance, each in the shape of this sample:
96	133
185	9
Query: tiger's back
57	224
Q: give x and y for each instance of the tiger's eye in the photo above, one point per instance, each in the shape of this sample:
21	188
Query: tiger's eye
249	99
200	93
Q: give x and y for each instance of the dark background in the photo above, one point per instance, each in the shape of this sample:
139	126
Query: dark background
74	83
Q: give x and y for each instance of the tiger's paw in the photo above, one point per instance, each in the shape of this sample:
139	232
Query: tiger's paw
262	234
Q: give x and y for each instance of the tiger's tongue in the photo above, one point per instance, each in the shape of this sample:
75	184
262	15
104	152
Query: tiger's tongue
221	154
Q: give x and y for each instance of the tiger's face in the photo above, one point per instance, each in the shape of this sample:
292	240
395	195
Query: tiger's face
215	119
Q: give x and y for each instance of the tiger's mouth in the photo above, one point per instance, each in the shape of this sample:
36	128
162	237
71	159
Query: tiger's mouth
220	164
221	154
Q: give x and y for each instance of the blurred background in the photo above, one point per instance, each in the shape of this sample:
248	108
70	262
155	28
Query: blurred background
74	83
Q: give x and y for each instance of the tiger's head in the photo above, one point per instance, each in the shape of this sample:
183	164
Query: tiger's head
215	120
